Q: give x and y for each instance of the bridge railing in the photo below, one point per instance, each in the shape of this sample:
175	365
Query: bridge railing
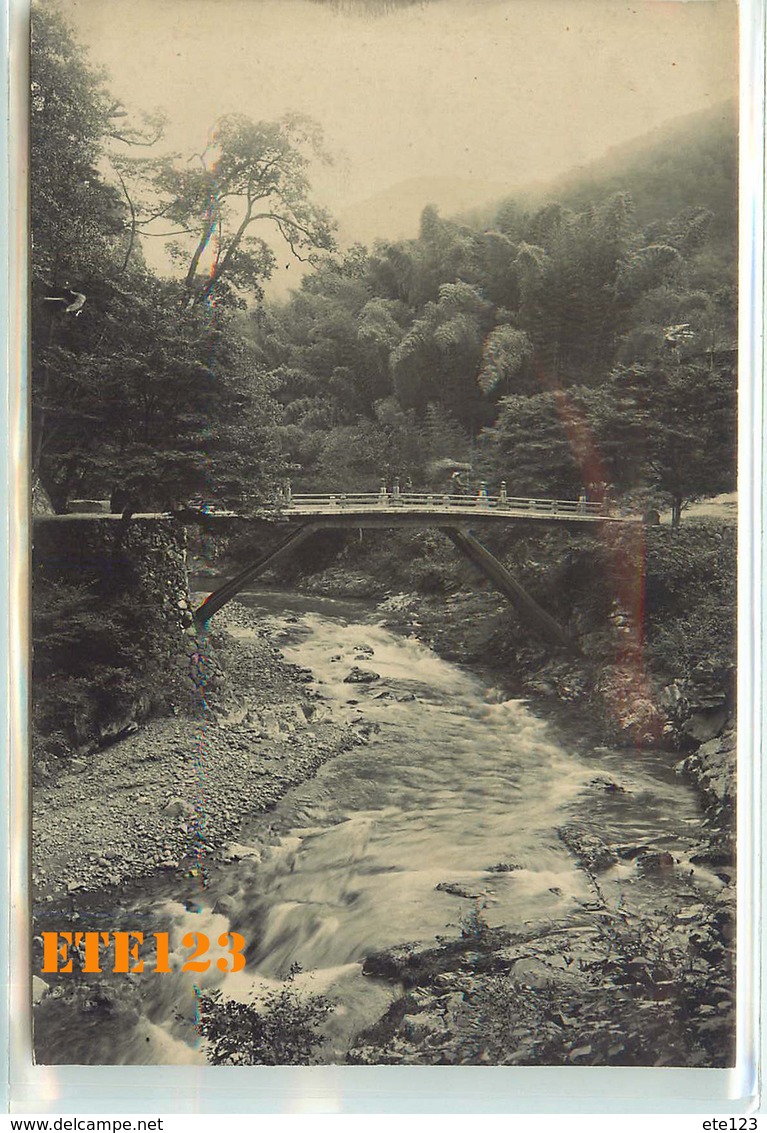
439	501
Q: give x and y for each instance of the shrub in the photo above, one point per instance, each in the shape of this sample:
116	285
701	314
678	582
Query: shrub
283	1029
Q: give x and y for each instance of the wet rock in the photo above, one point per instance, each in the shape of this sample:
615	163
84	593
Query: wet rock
225	906
392	963
458	889
357	676
235	851
591	851
657	861
503	867
629	853
602	783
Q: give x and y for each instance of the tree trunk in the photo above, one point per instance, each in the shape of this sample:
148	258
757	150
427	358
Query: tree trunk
676	511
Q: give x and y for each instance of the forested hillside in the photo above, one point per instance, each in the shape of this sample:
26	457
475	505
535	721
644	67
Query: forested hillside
561	347
693	158
554	347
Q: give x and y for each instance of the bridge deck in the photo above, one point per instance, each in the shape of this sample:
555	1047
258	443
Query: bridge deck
390	509
430	508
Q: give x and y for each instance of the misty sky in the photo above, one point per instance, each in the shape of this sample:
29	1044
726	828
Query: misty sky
502	92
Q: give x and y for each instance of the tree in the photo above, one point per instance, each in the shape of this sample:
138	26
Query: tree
249	174
543	445
158	398
138	387
77	228
506	351
686	440
439	357
76	218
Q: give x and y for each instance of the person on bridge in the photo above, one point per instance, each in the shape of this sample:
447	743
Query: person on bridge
458	483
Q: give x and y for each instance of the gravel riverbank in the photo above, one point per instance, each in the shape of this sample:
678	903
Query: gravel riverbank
169	796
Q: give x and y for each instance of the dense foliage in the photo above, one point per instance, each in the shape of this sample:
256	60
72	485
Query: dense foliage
557	346
558	350
282	1030
142	382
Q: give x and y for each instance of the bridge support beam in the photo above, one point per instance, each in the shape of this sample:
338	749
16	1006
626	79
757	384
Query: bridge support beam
534	616
219	598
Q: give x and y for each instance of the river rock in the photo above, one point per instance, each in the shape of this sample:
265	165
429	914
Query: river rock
602	783
358	676
591	851
423	1026
458	889
225	906
270	725
657	861
393	963
178	807
690	913
705	726
629	853
234	851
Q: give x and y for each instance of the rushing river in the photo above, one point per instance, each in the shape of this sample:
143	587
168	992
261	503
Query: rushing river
455	780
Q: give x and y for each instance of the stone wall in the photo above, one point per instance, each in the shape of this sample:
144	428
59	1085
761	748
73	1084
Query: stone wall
113	633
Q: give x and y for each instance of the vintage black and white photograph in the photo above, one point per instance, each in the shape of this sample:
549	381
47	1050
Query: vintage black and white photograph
384	385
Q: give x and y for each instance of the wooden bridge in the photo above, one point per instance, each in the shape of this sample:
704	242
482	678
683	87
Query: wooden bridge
452	514
400	509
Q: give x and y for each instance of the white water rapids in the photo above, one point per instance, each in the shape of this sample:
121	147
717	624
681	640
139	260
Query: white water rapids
455	780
